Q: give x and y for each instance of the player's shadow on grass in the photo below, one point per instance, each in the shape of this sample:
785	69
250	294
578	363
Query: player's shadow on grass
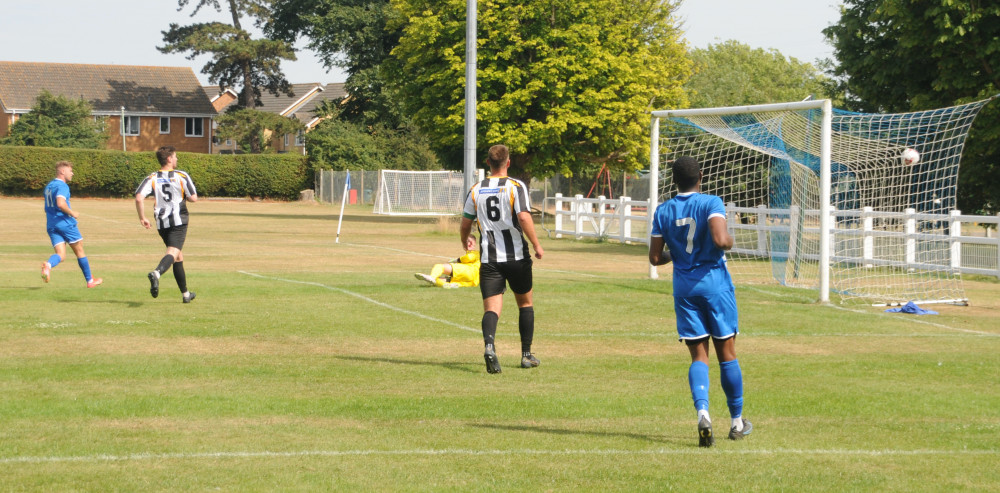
130	304
450	365
566	431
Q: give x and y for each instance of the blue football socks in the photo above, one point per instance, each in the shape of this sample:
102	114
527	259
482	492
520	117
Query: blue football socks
732	385
698	380
85	267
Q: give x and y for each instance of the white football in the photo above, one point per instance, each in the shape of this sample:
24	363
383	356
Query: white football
910	156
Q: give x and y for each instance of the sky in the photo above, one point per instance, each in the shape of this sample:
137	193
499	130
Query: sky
127	32
793	27
118	32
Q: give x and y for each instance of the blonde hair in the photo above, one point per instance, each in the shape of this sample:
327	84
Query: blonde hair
63	164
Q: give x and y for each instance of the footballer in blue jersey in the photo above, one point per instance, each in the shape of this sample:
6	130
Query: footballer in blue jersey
690	230
61	225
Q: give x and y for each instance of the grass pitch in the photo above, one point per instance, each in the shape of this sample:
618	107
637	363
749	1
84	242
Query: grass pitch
306	365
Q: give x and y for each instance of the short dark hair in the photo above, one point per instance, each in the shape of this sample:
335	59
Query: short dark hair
498	156
687	172
163	153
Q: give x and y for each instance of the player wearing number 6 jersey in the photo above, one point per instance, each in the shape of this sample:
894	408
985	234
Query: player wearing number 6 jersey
500	206
172	189
692	226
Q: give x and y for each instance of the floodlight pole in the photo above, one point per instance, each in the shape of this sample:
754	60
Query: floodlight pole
470	95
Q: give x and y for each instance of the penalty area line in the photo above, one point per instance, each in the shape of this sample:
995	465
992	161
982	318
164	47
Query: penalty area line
471	452
365	298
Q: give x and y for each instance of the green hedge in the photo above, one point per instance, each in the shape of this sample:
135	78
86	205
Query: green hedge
104	173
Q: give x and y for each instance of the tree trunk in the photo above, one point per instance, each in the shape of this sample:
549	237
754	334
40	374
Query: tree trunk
519	168
249	101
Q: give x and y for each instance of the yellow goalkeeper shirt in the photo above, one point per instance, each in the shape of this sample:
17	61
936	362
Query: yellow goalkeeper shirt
465	271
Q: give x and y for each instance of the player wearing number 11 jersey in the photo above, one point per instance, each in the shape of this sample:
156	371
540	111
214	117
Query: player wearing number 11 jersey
172	189
692	226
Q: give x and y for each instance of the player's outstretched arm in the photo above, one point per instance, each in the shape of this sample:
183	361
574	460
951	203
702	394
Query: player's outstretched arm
464	230
720	233
140	207
657	254
64	207
528	226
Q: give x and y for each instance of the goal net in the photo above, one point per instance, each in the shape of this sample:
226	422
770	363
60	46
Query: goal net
829	199
420	193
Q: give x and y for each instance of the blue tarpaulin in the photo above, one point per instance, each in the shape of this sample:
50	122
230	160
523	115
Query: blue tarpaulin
911	307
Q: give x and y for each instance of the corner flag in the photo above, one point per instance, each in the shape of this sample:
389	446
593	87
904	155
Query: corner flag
343	200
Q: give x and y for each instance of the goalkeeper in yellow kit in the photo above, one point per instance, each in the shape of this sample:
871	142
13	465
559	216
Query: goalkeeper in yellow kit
463	272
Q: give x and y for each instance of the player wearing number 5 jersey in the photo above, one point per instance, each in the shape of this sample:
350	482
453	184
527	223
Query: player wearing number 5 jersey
692	226
172	189
499	204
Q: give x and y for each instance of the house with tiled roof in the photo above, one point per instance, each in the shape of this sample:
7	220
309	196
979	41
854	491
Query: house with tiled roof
300	105
143	107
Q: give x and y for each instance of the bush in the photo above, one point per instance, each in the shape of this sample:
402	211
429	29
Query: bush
107	173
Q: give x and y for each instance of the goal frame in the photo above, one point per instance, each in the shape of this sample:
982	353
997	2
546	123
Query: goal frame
384	205
826	219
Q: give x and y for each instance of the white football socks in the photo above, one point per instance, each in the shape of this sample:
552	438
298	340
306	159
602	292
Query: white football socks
738	423
704	412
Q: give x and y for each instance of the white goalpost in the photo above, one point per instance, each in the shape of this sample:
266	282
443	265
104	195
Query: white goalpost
855	204
419	193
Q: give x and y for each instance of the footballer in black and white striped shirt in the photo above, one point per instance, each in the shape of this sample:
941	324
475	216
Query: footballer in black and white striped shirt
500	206
172	189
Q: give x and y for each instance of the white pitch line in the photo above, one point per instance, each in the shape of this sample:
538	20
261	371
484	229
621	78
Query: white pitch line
918	321
667	334
365	298
490	452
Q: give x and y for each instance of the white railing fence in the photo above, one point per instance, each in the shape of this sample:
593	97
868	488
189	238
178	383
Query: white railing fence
621	219
858	236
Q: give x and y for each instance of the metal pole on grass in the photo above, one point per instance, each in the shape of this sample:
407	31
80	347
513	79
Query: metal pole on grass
470	94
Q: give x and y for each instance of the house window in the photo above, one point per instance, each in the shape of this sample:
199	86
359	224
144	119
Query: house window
194	127
229	142
286	141
300	139
164	125
130	125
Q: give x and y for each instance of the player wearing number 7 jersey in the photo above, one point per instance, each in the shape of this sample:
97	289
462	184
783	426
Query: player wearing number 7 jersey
172	189
692	226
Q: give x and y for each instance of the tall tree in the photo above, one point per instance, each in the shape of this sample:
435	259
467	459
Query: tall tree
237	59
565	84
733	74
351	35
246	126
58	121
909	55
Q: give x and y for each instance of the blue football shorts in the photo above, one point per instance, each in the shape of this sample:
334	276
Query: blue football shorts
711	315
63	231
